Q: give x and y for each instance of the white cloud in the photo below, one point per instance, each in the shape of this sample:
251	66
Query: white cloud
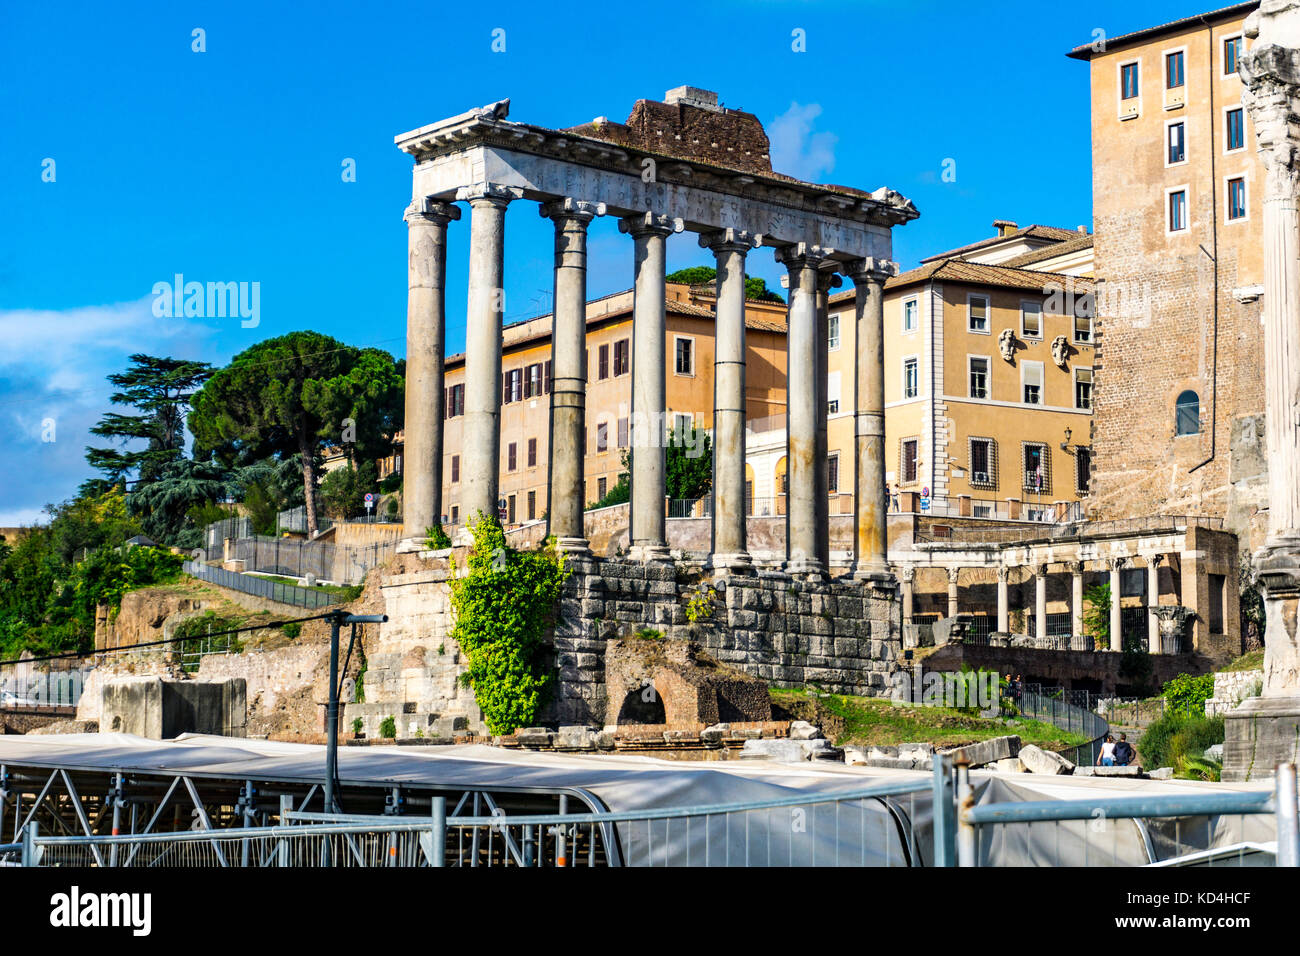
797	150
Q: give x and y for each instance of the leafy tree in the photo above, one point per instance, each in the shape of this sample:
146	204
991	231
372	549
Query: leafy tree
755	287
164	505
1096	614
621	492
262	508
503	605
343	490
159	390
292	395
1186	695
688	467
89	522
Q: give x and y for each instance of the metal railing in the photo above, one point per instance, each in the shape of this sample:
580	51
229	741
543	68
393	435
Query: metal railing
262	587
1094	826
295	557
1073	711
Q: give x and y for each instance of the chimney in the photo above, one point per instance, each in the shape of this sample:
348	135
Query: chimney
1083	230
1005	227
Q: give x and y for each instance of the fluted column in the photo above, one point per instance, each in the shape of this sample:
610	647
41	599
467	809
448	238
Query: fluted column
481	455
730	550
566	486
870	518
1076	597
907	578
647	532
1040	602
954	574
1004	615
1153	602
805	524
1115	565
426	281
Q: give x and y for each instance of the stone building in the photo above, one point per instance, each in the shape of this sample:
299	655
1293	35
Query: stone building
1177	187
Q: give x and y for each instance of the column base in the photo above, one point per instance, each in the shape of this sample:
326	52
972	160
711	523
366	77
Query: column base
874	574
809	569
736	562
1258	735
463	538
411	545
579	547
649	553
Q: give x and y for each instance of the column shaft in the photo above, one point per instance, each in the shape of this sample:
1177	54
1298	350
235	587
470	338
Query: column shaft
1153	601
871	541
425	350
480	456
953	575
1116	620
1040	602
1076	599
1004	614
566	487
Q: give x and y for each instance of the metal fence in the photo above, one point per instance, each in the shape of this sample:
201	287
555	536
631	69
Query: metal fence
262	587
294	520
1073	711
345	564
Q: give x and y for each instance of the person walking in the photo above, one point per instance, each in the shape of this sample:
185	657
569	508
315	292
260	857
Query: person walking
1107	756
1124	752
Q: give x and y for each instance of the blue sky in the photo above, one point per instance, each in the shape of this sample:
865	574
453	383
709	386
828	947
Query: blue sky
226	165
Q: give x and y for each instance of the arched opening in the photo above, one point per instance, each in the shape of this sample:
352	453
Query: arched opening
642	706
1187	414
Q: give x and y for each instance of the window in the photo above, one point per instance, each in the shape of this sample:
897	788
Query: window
512	386
1236	131
546	378
1175	143
512	456
622	433
455	401
1173	70
602	362
833	473
833	393
833	331
907	459
685	356
1177	210
1031	379
455	514
1038	468
1231	54
1031	320
532	453
1217	587
983	463
510	509
1187	414
911	378
533	381
1083	388
1236	198
602	437
1083	307
455	468
620	356
532	505
977	313
1128	81
911	308
1082	469
601	484
979	376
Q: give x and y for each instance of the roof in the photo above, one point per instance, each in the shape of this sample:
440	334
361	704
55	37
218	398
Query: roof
1048	233
977	273
1079	242
1087	51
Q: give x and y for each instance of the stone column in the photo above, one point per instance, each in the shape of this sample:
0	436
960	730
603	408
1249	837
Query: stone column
1115	565
806	524
1040	602
1153	602
1076	597
566	487
953	575
647	531
907	576
480	458
826	280
730	552
1004	615
870	521
426	281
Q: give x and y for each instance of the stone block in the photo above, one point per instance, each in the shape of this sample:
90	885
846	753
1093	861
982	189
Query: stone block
1162	773
782	751
1038	760
1009	765
1129	771
803	730
987	751
534	737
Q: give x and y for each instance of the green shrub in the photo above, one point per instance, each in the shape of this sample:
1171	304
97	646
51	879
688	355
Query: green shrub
356	726
649	634
1186	695
388	728
435	539
292	629
1180	741
503	605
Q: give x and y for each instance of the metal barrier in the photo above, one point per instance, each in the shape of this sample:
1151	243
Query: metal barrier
1100	817
262	587
867	826
1071	711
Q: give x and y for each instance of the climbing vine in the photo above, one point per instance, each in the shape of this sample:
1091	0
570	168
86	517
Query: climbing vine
503	602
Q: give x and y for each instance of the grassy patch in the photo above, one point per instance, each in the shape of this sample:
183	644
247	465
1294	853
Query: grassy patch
348	592
1252	661
864	721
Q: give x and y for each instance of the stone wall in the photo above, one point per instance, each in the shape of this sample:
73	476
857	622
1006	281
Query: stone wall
1231	688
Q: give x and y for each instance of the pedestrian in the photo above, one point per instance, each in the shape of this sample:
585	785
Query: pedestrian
1124	752
1107	756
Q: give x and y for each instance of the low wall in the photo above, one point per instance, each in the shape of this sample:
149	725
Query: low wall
1231	688
1097	671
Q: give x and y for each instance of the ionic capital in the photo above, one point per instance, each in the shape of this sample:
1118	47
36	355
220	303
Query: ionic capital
650	224
488	193
862	271
827	280
426	211
579	210
730	240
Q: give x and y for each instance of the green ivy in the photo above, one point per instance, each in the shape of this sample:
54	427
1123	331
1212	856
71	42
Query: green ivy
503	603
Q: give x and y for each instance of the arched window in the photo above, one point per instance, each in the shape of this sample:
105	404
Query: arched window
1187	414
